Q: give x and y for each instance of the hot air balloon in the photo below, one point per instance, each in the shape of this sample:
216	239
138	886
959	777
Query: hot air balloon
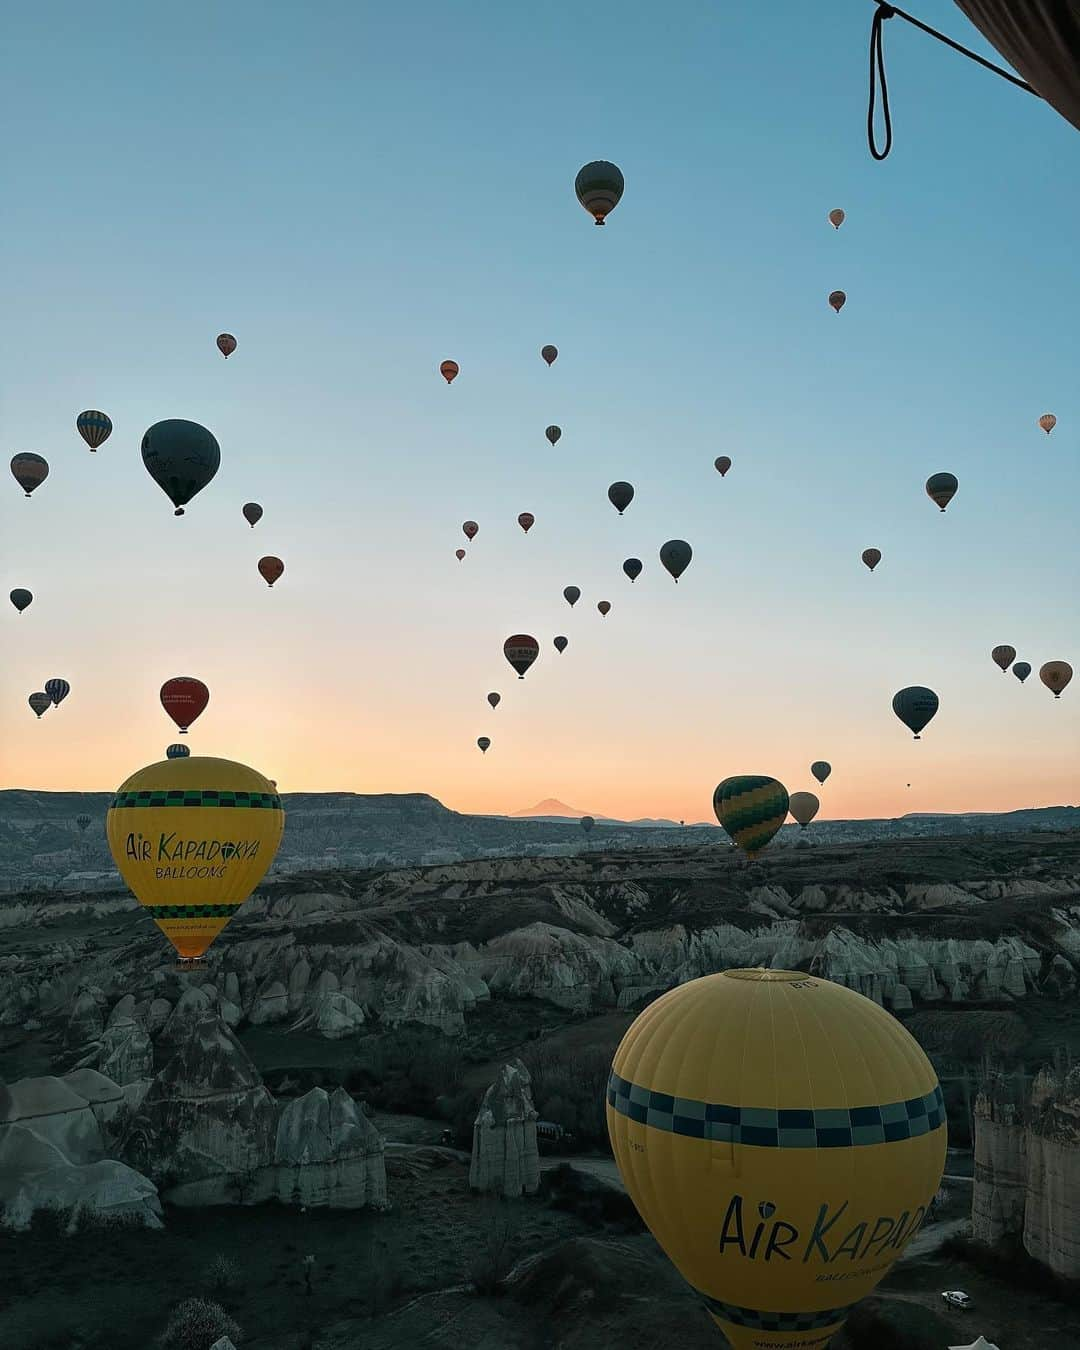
83	822
571	594
751	808
620	495
773	1130
226	344
181	457
470	530
29	471
821	769
871	557
587	824
271	569
252	513
177	752
632	568
494	699
561	644
21	598
915	707
94	427
1056	675
483	742
941	488
521	651
184	698
838	300
57	690
1048	422
449	371
1003	657
803	806
721	464
40	702
526	520
549	353
675	556
459	554
553	433
599	187
192	838
604	606
836	217
1022	670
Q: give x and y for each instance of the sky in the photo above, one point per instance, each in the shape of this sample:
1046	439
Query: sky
360	191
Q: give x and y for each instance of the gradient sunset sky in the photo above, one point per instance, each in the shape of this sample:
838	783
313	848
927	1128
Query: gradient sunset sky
359	191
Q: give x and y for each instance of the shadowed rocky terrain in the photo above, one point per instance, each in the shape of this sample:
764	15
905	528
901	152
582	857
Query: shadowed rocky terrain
359	1072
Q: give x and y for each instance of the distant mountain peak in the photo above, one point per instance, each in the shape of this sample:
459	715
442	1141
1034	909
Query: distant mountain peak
551	806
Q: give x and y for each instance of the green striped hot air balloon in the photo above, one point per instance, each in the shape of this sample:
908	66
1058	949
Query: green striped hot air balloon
751	808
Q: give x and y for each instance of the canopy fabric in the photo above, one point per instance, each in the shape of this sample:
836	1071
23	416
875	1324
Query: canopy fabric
1040	39
981	1344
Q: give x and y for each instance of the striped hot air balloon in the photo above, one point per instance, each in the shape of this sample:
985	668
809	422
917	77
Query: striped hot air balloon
57	690
751	808
94	427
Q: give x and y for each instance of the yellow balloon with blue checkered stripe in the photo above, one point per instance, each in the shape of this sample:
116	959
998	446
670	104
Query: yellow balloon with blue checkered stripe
192	837
783	1138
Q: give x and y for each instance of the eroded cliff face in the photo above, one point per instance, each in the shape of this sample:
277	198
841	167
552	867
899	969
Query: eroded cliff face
1027	1167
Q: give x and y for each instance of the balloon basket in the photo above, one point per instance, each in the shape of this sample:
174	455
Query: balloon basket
189	963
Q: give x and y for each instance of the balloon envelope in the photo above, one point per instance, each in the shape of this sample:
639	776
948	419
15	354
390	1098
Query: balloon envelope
836	217
587	823
1003	657
871	557
941	488
821	769
459	554
553	433
270	569
1056	675
449	371
751	808
604	606
620	495
521	651
838	300
29	471
184	699
632	568
803	806
1022	670
571	594
177	752
915	706
1048	422
526	520
494	699
675	556
83	822
40	702
483	742
773	1128
560	643
549	353
599	187
57	691
94	427
181	457
226	344
192	838
722	463
470	529
252	513
21	598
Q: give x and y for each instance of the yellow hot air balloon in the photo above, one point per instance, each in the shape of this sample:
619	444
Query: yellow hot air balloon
192	838
782	1137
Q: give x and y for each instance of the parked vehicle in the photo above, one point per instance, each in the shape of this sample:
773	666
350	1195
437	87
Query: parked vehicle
956	1298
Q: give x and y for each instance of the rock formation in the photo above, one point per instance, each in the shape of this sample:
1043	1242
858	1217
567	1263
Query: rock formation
328	1154
505	1156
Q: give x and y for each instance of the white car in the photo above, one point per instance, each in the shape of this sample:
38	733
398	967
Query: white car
956	1298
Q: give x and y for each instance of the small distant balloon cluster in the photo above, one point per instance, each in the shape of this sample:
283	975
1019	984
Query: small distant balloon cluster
54	693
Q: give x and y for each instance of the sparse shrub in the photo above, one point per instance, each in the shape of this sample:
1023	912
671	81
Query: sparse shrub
493	1258
196	1324
221	1273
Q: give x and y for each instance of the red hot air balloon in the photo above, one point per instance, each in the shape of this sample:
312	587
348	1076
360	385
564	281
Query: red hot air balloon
459	554
226	344
604	606
184	698
837	299
449	371
470	530
521	651
271	569
526	520
549	353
